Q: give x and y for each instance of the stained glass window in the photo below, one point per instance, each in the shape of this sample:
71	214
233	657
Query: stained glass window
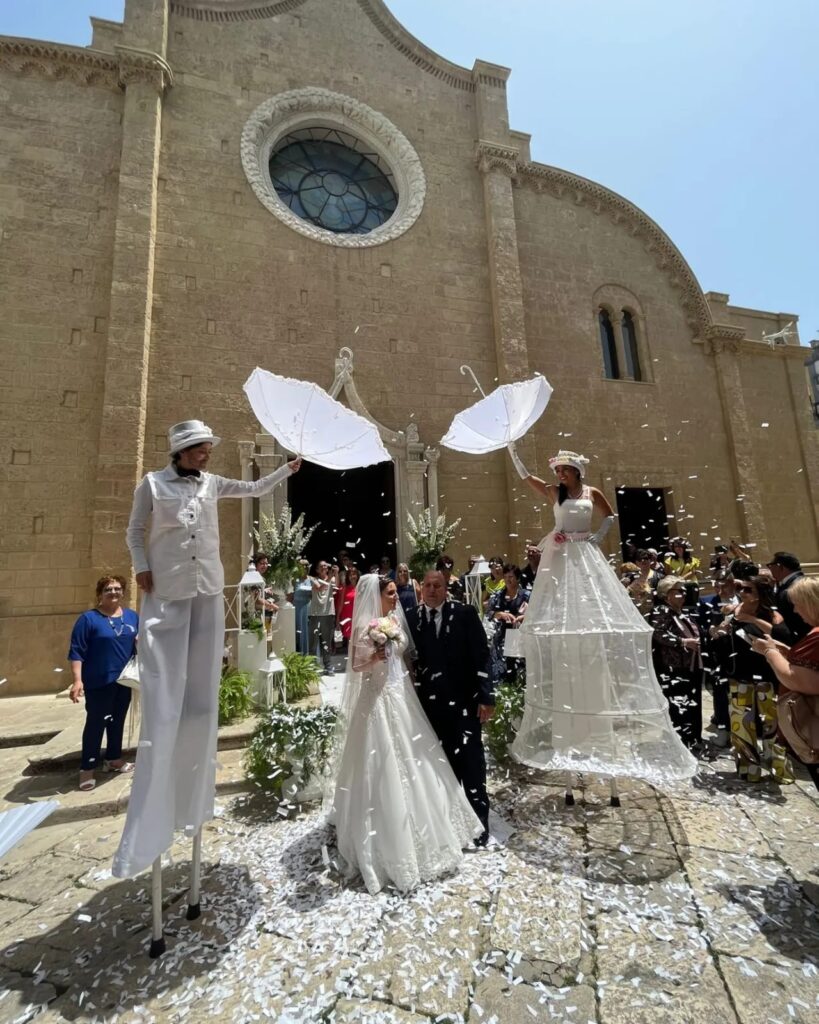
329	178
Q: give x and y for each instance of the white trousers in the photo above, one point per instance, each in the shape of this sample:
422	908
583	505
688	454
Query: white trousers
180	657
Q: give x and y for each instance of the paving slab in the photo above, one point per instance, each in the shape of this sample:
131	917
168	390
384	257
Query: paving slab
498	1000
764	993
752	906
696	1001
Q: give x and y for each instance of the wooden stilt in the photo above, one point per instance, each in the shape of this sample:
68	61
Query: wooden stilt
196	863
615	796
157	936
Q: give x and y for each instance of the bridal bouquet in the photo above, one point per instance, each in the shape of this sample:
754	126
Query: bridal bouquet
383	631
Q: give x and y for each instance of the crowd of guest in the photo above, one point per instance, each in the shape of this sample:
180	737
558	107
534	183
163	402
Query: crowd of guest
713	640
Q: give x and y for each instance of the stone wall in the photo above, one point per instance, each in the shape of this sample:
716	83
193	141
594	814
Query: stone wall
60	145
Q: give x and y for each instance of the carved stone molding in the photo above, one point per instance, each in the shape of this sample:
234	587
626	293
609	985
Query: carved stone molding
233	10
143	66
302	108
721	338
601	200
57	62
491	157
403	41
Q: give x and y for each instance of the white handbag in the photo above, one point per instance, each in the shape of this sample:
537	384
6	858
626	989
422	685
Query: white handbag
130	674
513	644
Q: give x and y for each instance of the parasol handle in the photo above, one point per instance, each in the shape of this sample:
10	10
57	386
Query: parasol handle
468	369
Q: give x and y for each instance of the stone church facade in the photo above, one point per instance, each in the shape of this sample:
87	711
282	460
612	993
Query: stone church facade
150	262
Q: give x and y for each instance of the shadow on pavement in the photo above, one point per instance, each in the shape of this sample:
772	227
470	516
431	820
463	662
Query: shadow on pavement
96	956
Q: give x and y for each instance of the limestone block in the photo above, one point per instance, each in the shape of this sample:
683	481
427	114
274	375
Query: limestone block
538	915
498	1001
751	906
700	1001
764	992
717	828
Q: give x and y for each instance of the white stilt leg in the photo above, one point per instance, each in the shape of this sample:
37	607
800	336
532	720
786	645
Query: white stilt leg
157	936
571	783
615	796
196	865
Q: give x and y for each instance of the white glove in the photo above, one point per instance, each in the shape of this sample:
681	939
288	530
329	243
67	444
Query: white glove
602	530
523	472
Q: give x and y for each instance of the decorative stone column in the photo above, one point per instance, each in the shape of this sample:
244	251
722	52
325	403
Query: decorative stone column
723	341
246	450
498	165
269	458
145	76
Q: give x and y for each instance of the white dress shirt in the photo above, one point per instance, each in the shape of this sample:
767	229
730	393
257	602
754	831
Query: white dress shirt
183	544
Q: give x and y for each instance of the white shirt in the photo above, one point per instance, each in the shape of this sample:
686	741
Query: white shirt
438	616
183	545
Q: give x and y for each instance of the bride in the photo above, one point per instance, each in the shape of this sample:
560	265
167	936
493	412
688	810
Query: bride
401	816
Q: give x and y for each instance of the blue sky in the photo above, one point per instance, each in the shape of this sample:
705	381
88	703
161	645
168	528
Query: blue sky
702	112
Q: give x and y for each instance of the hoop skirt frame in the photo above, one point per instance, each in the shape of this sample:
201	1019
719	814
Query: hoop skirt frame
593	702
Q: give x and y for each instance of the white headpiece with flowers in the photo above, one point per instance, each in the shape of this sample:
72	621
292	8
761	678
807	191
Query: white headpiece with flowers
564	458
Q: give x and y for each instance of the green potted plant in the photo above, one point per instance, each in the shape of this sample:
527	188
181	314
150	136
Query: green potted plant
303	675
235	695
290	750
429	537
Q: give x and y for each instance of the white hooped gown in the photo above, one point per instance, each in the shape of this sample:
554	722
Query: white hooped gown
593	702
401	816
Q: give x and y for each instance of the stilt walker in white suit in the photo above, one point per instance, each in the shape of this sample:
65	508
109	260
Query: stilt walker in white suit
181	640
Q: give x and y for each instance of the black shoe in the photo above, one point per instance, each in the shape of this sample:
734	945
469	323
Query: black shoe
482	839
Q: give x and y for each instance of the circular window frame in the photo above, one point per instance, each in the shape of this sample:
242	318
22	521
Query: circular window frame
319	108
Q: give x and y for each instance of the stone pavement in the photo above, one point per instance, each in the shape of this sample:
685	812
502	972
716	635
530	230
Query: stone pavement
698	906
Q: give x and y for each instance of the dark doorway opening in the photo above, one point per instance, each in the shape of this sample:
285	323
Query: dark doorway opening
355	509
642	517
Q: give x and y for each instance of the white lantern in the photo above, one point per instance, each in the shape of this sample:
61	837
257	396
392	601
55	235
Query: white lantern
474	583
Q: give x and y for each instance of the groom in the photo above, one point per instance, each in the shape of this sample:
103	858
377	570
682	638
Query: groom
454	685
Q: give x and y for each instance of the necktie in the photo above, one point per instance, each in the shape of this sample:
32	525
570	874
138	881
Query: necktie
433	619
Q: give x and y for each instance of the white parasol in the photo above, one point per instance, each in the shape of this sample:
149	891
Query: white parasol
500	418
16	823
306	420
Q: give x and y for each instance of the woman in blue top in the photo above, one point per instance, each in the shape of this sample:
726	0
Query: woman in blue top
102	642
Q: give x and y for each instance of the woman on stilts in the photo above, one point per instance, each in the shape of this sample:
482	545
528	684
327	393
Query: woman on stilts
593	702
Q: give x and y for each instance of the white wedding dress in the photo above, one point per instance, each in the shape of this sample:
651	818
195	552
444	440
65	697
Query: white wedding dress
401	816
593	702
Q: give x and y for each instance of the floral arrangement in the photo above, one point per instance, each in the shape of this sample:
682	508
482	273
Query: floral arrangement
383	631
502	727
430	538
290	746
283	541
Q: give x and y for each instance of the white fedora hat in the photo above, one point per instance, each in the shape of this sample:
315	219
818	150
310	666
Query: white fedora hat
188	433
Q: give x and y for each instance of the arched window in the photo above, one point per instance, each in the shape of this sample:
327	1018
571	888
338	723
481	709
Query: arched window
630	345
610	364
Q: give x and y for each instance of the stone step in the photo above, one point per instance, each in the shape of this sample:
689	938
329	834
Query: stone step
62	751
110	797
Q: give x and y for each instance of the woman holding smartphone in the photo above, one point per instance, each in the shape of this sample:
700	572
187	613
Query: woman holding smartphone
751	682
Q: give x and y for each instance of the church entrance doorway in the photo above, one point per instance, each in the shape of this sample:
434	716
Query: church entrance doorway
642	517
355	510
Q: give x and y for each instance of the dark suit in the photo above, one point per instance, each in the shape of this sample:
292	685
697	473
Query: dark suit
452	679
796	625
